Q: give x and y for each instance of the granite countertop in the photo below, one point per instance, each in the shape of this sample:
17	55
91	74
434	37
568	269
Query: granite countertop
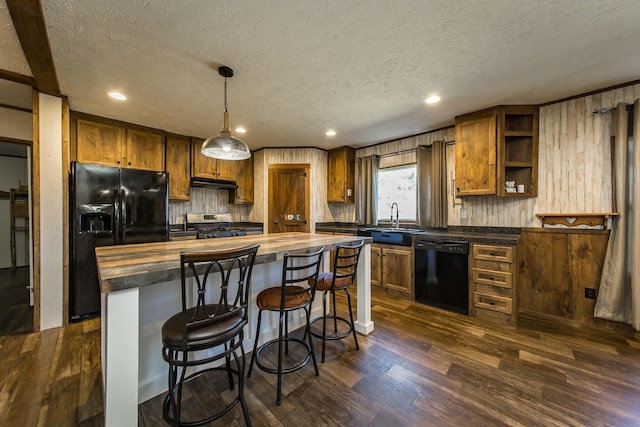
469	236
337	227
488	235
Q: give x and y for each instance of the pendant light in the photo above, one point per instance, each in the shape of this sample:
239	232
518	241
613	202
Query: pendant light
225	146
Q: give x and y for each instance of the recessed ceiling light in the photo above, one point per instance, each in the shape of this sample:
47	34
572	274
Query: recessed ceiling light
331	133
432	99
241	130
118	96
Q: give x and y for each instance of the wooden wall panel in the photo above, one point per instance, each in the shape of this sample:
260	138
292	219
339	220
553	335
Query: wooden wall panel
317	159
544	285
574	173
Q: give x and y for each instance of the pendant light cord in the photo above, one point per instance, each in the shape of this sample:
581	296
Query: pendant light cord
225	95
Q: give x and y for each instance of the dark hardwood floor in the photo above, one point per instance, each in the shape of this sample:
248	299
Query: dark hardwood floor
16	316
421	366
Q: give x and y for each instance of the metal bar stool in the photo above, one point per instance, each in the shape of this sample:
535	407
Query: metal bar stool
202	325
299	275
345	265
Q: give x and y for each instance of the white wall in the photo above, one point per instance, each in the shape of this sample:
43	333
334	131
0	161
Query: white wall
51	211
14	173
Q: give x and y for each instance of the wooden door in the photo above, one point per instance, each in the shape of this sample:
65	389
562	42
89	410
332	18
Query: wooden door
226	169
201	165
476	154
244	179
100	143
376	265
396	269
178	161
289	198
145	150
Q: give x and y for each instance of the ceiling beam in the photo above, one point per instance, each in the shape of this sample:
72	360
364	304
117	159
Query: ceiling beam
28	20
17	78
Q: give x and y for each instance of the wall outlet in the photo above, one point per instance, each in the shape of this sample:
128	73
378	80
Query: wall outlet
349	192
463	214
590	293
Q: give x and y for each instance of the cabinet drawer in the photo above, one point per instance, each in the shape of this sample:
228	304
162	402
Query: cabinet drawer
491	277
485	289
493	253
493	265
491	302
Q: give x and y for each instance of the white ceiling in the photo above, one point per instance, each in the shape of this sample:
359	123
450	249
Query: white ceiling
361	67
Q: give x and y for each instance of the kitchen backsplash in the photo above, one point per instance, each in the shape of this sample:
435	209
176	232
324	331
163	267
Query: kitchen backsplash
207	200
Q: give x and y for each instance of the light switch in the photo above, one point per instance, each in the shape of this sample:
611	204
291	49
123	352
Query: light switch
349	192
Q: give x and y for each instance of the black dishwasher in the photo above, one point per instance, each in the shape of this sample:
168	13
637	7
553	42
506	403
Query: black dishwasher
442	274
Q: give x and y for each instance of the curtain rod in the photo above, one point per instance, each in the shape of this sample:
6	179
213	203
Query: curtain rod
409	150
606	110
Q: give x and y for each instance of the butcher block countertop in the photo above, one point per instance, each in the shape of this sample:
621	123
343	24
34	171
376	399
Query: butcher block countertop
130	266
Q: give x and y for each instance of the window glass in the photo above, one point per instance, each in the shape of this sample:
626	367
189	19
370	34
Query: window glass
397	185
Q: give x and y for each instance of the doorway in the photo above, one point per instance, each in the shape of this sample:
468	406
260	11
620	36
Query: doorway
16	297
289	198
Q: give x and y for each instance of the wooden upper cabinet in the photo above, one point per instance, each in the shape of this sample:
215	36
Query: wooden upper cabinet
340	175
208	167
244	179
476	154
145	150
178	165
99	143
495	147
115	144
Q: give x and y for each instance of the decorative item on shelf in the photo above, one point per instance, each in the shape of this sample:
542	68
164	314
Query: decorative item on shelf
520	188
225	146
510	186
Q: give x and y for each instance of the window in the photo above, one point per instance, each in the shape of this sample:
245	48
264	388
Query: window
399	185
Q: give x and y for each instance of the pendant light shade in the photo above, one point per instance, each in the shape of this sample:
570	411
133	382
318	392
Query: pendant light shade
225	146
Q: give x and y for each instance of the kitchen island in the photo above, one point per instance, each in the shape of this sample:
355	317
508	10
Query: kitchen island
140	286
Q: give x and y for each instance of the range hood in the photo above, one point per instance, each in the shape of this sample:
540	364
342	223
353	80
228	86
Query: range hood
214	183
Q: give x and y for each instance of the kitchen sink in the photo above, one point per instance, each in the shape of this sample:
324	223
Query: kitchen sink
389	236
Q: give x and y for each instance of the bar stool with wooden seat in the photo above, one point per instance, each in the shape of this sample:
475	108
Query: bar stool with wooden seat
345	265
213	323
296	292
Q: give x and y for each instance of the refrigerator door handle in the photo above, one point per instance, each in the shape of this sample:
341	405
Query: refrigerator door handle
123	205
116	216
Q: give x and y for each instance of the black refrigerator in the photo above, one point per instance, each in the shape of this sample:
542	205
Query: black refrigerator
110	206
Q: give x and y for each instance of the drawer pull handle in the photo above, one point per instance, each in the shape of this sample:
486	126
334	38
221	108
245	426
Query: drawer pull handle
490	278
492	253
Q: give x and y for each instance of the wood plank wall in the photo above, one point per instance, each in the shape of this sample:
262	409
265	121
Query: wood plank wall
321	211
574	173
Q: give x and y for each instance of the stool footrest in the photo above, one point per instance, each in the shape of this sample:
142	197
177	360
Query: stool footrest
290	369
333	336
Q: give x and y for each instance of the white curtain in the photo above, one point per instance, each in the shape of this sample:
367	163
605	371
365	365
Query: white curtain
367	189
619	295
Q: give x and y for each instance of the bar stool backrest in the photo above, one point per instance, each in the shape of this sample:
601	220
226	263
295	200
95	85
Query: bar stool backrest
232	268
345	262
297	271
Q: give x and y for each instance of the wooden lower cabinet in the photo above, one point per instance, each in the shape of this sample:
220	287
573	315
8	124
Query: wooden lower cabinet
555	266
392	268
493	284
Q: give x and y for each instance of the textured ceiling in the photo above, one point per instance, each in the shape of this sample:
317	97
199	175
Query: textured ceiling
301	67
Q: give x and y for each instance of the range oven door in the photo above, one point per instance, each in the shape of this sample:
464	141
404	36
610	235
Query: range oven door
442	275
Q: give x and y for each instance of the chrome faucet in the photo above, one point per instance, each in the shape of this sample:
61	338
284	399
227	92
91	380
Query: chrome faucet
397	223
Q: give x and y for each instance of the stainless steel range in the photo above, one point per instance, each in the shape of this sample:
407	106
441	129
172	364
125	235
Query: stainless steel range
209	226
